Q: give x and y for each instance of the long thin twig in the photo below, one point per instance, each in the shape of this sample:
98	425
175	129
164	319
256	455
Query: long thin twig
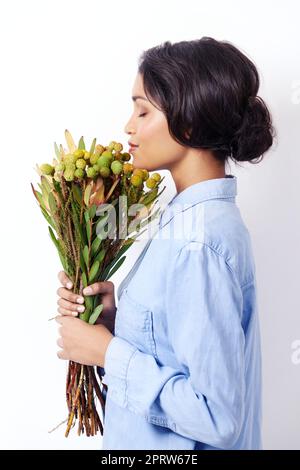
58	425
74	404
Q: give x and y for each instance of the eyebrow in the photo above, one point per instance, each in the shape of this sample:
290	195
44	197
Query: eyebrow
136	97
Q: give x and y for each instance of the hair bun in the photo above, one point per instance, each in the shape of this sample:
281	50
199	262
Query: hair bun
256	133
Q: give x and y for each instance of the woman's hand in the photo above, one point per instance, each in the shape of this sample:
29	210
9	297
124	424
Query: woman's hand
80	341
71	304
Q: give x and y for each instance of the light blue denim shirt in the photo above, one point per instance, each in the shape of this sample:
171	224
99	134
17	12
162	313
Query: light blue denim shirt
184	367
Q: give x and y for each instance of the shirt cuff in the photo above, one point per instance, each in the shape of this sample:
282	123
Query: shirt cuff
116	361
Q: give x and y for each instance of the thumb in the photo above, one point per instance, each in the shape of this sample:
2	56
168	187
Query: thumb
101	287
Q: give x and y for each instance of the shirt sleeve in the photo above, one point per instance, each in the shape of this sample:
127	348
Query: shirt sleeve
204	398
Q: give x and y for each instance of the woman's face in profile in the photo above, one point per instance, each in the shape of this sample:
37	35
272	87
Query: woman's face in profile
148	128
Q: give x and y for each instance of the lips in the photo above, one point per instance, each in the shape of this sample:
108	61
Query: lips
132	146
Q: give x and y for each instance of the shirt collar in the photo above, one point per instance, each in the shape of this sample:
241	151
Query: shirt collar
216	188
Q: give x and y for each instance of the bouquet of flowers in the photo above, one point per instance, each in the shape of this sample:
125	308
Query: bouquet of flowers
84	196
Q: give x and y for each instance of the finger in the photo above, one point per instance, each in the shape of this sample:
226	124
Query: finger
61	354
64	311
65	280
59	343
103	287
70	306
70	296
63	319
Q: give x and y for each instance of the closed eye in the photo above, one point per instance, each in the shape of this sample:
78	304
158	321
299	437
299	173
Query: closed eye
141	115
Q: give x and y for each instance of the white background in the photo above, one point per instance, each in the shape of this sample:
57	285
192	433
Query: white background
71	64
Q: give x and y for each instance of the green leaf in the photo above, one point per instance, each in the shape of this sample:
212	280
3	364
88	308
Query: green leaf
57	245
88	300
95	314
81	144
84	279
148	220
88	230
77	193
58	190
45	187
162	189
127	244
70	141
48	218
57	152
116	267
87	216
87	194
63	261
93	146
94	271
87	225
82	234
100	256
85	315
92	211
101	226
82	262
55	241
52	203
95	245
150	196
86	255
40	199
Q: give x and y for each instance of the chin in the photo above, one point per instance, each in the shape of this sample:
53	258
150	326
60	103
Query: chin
138	163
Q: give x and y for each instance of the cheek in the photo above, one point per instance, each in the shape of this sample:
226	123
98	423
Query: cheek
164	149
152	129
158	150
155	135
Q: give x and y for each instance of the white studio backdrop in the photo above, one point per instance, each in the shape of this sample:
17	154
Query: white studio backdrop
71	64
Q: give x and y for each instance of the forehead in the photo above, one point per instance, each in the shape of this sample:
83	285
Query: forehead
138	93
138	97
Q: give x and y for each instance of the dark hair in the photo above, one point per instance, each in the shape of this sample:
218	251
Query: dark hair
207	90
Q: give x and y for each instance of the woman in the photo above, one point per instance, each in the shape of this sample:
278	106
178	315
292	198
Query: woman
182	362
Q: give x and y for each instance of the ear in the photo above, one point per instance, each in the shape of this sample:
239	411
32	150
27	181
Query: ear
187	134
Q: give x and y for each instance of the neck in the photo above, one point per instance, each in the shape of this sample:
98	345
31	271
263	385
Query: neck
196	167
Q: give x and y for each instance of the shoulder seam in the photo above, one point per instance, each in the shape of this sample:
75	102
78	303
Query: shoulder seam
222	256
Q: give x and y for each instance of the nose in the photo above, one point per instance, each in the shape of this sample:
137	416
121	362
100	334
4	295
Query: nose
129	128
